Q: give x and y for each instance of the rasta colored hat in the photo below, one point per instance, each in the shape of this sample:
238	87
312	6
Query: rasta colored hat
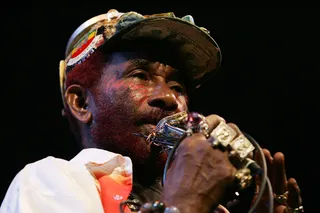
200	53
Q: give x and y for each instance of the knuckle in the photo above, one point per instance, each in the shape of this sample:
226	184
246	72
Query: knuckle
213	120
195	142
279	156
235	127
188	143
229	173
215	117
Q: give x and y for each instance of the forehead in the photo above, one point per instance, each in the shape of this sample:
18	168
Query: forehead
133	56
123	62
123	55
153	51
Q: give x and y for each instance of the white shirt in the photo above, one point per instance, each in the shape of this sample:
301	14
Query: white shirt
53	185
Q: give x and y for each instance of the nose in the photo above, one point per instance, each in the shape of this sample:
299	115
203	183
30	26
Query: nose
163	97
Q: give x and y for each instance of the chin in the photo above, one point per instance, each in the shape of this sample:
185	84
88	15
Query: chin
144	156
149	168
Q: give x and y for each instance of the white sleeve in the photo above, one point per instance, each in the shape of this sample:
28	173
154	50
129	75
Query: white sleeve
52	185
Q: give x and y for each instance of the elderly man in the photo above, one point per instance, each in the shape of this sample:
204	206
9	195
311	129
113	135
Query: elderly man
126	82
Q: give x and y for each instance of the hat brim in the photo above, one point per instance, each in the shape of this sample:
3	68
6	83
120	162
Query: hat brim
197	48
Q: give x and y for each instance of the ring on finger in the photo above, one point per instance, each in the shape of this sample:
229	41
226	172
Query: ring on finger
227	137
197	123
295	210
281	198
204	128
243	177
223	134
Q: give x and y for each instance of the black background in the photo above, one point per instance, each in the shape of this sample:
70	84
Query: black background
267	84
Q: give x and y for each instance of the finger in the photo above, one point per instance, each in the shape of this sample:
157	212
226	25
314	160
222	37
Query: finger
239	133
294	198
213	121
250	155
269	162
279	174
280	209
268	158
236	128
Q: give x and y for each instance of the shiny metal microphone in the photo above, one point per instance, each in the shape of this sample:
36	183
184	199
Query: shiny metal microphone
172	129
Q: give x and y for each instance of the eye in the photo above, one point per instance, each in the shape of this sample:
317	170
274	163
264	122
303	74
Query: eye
142	75
177	88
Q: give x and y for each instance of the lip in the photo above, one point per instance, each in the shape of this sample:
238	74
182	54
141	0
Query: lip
153	117
150	128
146	130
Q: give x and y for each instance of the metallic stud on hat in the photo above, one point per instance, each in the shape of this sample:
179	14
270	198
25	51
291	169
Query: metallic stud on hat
113	13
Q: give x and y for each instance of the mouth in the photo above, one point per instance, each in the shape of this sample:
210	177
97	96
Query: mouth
146	130
153	117
149	124
150	128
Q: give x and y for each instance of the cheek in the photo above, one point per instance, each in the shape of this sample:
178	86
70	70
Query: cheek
138	92
183	103
114	91
124	91
109	87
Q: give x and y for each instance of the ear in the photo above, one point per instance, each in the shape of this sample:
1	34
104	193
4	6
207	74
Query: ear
77	101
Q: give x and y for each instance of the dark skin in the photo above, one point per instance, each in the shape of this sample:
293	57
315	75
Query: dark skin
154	91
135	91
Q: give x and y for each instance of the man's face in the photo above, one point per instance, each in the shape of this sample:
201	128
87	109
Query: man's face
136	90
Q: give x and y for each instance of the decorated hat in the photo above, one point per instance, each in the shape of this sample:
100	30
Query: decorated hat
201	54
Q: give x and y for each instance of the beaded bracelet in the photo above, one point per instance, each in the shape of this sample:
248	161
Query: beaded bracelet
155	207
158	207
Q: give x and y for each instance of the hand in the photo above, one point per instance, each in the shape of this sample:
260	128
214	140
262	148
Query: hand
280	184
200	177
